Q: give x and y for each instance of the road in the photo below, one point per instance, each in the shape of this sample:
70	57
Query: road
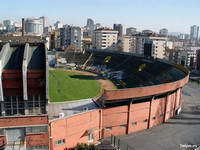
175	133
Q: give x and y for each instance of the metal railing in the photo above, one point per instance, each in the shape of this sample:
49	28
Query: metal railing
119	144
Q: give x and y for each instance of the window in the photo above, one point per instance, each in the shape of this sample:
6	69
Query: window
1	131
60	142
161	115
90	137
108	128
134	123
145	120
41	147
37	129
123	126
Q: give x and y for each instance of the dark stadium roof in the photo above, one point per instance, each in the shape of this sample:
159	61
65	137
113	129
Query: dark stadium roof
128	70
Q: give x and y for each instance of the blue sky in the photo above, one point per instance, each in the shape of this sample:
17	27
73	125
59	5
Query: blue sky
176	15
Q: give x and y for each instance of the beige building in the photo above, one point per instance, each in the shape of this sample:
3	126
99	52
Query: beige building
158	46
105	39
129	44
152	45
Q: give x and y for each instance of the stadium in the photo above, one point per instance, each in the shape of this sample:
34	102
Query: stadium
121	93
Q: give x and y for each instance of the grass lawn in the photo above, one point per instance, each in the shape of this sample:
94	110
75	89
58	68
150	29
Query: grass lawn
67	86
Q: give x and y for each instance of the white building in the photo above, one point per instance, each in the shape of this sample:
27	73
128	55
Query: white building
155	46
105	39
169	44
58	25
187	58
34	26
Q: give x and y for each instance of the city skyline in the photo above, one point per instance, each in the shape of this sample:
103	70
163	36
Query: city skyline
158	14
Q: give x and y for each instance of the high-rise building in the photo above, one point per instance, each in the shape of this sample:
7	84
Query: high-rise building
119	28
90	22
198	59
90	27
71	36
131	31
9	24
194	32
105	39
163	31
44	21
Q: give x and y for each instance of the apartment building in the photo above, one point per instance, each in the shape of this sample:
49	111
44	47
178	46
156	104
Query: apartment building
129	44
105	39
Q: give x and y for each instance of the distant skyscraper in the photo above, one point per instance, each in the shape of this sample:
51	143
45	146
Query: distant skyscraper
9	25
44	21
131	31
90	22
90	27
119	28
163	31
194	32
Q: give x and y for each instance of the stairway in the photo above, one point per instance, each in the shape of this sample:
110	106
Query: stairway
105	145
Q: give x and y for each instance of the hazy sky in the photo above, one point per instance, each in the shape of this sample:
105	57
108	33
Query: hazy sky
176	15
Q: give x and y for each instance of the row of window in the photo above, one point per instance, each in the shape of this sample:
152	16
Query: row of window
28	130
41	147
134	123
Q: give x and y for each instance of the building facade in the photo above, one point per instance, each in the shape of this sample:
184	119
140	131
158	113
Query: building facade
71	36
163	32
129	44
155	47
131	31
23	94
105	39
34	26
188	58
119	28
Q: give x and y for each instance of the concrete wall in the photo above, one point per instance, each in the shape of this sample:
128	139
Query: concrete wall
114	120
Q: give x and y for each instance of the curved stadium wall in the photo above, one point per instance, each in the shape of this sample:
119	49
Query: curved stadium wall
133	107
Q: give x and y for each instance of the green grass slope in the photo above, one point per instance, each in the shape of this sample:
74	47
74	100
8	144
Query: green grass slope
68	86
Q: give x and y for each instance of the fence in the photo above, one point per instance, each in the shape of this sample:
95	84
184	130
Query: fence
119	144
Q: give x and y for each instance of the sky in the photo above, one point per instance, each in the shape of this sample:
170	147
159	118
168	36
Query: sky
175	15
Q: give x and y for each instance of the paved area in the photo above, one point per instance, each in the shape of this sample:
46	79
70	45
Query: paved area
178	132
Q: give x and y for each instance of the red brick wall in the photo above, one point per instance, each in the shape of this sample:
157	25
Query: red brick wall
114	117
36	82
74	129
143	91
23	121
37	139
12	82
115	120
139	113
157	112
